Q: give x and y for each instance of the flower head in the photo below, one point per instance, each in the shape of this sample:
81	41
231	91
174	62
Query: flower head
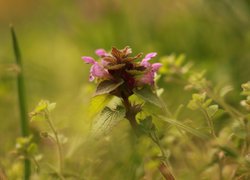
118	66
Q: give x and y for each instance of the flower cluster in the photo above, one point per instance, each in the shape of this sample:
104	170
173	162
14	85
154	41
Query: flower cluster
119	65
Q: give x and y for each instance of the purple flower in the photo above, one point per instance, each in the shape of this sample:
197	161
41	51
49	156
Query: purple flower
101	53
118	64
151	69
97	70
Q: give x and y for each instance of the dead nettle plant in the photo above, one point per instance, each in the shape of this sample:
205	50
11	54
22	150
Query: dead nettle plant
132	79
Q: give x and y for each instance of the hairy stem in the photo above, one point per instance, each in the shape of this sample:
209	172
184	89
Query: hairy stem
129	113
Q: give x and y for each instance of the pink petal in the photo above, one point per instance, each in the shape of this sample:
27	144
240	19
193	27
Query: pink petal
150	55
98	71
145	63
148	78
104	63
91	77
101	52
156	66
89	60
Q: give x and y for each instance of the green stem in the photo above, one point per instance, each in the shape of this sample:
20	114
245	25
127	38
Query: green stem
209	121
130	115
58	144
220	164
36	163
22	99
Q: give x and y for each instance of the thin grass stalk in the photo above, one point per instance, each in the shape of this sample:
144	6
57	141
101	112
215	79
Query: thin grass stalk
21	99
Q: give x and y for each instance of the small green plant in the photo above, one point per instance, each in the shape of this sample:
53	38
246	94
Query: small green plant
236	147
199	102
42	112
27	149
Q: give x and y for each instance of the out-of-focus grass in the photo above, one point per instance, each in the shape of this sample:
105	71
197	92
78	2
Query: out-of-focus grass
55	34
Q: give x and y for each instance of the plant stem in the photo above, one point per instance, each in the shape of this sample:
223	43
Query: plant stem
220	164
130	115
164	166
22	99
209	121
165	171
58	144
36	163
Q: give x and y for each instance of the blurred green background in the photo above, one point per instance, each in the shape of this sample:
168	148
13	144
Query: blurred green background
53	35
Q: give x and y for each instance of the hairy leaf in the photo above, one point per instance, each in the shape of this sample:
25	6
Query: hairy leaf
107	119
107	86
148	95
98	103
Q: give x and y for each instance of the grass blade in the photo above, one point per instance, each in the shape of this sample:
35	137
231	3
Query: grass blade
184	127
21	98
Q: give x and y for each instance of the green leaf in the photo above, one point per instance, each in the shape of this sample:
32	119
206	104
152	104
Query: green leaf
179	60
178	111
62	139
148	95
207	103
146	125
229	152
42	106
239	130
23	142
41	109
32	149
108	118
159	92
183	126
97	104
51	106
192	105
211	110
37	117
107	86
199	97
225	90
